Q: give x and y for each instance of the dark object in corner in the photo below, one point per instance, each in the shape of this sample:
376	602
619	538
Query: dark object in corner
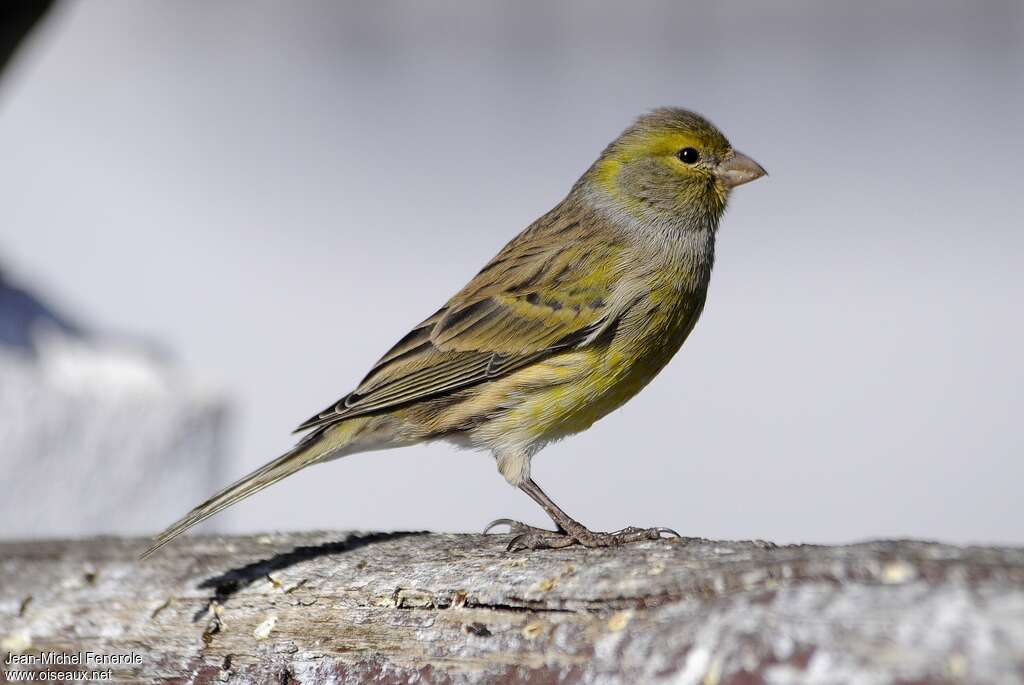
17	18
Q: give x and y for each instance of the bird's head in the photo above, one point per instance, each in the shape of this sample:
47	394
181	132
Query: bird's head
671	164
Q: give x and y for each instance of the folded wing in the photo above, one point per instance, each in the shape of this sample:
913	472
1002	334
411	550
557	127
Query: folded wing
540	294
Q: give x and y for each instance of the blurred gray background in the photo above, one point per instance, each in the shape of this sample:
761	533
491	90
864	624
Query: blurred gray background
277	191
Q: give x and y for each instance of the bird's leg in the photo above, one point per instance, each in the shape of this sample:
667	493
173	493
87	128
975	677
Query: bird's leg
570	531
531	537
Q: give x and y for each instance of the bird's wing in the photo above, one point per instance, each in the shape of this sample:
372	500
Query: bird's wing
542	293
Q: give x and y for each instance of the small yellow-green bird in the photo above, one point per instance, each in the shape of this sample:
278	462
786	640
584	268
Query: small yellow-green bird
569	321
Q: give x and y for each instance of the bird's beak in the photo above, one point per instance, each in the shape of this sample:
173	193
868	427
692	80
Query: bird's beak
739	169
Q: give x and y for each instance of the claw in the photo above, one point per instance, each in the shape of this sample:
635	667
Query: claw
633	529
511	547
500	522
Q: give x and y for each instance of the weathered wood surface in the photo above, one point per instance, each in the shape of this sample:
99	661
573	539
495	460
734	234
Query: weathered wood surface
407	607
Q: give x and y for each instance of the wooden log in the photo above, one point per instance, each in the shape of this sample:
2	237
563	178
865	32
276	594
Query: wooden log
418	607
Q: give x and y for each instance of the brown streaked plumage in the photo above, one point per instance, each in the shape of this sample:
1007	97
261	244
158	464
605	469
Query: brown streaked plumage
571	319
512	313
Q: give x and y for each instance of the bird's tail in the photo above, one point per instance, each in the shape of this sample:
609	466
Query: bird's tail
316	446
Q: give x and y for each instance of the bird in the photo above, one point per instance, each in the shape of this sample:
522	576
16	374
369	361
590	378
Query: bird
572	318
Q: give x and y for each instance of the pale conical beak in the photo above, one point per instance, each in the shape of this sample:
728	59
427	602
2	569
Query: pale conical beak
739	169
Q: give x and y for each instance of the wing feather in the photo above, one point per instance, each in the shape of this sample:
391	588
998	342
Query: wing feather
540	294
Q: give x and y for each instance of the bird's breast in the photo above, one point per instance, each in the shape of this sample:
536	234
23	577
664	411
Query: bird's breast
587	384
648	336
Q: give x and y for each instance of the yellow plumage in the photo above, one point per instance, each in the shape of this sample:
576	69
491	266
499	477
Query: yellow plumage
569	321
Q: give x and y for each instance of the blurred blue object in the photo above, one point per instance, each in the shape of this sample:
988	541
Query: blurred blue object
21	312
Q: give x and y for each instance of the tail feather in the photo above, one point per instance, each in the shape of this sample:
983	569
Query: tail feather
302	455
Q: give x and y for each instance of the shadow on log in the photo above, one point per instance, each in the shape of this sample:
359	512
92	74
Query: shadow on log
397	607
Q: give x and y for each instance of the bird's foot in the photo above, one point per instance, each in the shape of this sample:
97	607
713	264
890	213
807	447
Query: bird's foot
531	537
590	538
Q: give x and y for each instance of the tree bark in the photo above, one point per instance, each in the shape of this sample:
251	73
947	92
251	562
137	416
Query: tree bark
397	607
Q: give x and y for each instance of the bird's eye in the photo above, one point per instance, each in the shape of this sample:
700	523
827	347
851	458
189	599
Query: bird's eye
688	155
